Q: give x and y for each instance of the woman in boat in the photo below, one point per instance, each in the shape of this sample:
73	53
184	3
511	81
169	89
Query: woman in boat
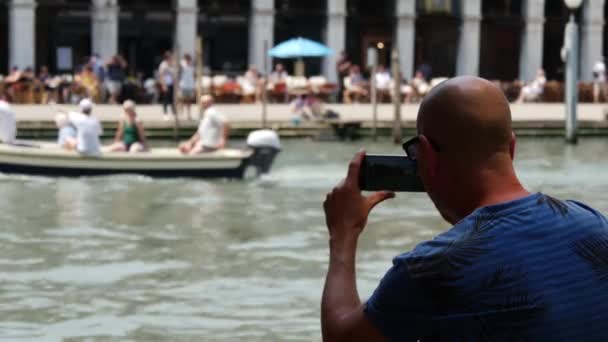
66	137
130	134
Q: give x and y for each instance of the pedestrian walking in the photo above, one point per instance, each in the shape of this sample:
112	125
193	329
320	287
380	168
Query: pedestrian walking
187	85
166	76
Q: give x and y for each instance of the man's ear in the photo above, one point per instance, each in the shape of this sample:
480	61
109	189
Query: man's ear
430	159
512	145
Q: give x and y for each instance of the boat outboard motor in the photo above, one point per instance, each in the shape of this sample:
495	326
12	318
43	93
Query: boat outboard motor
266	145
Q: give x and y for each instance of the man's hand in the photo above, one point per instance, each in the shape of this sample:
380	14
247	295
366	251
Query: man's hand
346	209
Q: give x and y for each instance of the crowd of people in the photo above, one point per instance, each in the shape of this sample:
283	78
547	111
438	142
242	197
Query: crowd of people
175	85
81	131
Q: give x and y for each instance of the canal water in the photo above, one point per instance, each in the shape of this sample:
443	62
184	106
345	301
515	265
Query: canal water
134	259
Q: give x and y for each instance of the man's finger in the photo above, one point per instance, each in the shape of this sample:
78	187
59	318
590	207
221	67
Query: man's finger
378	197
354	167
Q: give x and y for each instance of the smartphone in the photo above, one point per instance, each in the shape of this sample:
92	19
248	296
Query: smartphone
389	172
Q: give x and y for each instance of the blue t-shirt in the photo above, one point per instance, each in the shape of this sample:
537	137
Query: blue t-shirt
66	132
534	269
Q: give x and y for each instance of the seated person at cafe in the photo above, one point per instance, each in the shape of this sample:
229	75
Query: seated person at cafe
251	85
356	87
88	129
8	126
66	137
533	90
88	80
279	75
12	84
383	83
419	85
212	133
130	134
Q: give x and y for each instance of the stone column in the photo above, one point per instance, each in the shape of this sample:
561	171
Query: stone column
335	36
261	29
405	35
592	37
531	55
470	34
186	26
22	33
104	29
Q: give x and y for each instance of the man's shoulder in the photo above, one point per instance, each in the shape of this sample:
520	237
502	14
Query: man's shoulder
432	249
214	114
535	215
477	229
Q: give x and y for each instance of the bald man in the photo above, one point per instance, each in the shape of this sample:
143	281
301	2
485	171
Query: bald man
514	266
212	133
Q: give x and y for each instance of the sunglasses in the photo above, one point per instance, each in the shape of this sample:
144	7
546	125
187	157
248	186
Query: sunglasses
412	147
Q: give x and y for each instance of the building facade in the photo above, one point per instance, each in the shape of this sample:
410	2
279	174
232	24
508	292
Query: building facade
496	39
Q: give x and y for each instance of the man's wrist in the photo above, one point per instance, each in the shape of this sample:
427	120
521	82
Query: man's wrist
343	242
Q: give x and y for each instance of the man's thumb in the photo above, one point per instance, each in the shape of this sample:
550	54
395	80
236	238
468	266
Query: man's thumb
378	197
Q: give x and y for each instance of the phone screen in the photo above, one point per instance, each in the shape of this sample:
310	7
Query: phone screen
389	172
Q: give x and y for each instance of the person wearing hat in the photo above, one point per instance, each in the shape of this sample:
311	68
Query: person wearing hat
212	132
8	126
130	134
88	129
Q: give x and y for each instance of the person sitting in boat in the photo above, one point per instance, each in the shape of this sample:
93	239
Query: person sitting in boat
8	126
66	137
130	134
88	129
212	132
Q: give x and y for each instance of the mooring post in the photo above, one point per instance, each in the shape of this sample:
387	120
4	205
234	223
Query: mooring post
397	137
374	95
570	56
264	86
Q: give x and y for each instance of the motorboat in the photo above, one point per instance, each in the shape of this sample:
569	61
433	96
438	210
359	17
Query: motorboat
48	159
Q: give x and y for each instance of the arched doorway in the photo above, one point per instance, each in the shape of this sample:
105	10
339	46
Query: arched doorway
556	17
501	29
370	26
223	26
437	35
63	34
300	19
605	40
4	36
146	30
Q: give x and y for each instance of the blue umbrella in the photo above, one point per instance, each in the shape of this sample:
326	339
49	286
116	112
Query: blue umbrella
299	47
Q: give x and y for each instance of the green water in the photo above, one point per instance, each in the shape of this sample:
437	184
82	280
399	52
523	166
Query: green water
134	259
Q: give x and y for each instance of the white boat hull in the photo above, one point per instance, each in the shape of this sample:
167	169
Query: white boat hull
49	160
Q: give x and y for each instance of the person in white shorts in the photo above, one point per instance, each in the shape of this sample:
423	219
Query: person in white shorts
8	126
212	133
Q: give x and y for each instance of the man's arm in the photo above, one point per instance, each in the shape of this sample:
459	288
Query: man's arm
346	212
119	131
186	146
225	136
194	139
142	133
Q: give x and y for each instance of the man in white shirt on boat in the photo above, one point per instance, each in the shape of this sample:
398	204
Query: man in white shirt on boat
8	126
88	129
212	132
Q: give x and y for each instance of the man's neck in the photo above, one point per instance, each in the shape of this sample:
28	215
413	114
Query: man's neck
489	189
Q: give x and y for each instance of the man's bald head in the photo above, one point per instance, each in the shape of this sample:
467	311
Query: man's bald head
469	118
